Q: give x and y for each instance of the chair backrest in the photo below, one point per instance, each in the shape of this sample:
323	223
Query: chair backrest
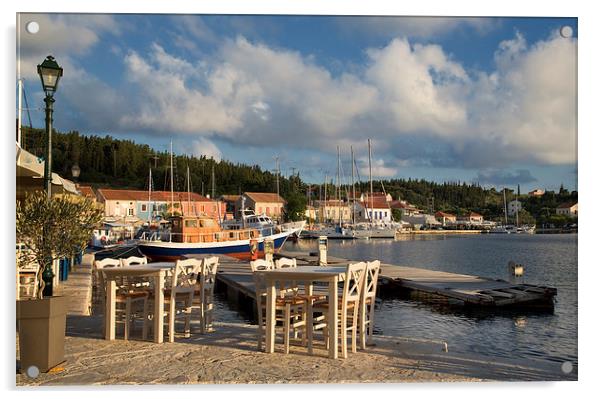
260	265
371	279
107	262
209	269
134	260
354	282
185	275
102	264
284	263
287	287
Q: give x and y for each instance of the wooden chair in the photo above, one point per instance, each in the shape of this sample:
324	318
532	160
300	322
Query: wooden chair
130	300
290	309
348	307
133	260
368	302
140	282
207	286
180	294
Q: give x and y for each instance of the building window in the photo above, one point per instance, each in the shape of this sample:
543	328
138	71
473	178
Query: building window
130	212
385	214
143	207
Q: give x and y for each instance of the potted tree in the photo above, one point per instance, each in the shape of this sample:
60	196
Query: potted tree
48	229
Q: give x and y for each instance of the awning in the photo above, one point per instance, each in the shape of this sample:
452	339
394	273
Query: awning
30	175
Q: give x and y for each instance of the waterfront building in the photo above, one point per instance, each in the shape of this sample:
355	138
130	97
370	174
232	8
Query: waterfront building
87	191
270	204
568	209
375	208
421	220
333	211
405	208
538	192
445	218
471	218
134	205
514	206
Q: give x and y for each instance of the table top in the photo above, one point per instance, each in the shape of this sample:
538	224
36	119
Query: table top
305	272
140	270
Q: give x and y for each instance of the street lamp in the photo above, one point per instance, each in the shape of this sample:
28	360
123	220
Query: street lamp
75	171
50	73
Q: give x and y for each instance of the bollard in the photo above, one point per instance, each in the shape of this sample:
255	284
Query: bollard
268	249
322	250
253	249
516	273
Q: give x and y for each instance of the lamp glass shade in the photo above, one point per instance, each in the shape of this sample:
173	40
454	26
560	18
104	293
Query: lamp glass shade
75	171
50	72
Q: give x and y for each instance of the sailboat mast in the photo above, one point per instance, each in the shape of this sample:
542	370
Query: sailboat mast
505	212
339	184
352	188
371	191
516	208
188	182
171	172
150	187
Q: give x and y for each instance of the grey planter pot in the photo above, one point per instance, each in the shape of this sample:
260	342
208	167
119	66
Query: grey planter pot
42	332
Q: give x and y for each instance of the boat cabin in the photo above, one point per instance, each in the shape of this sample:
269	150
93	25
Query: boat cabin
205	229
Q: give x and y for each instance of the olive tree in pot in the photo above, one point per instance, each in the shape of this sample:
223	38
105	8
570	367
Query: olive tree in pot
49	229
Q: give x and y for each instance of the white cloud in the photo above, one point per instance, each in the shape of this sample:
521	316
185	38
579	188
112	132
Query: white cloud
203	147
60	35
413	27
528	105
248	93
379	168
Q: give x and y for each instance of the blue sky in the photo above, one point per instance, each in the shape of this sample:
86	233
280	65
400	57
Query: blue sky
491	100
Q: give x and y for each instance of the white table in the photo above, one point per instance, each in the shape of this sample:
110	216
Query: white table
158	271
308	275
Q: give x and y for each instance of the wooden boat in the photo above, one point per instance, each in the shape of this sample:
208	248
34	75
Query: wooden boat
202	235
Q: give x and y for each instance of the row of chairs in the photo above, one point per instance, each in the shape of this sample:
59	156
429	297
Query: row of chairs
356	305
190	285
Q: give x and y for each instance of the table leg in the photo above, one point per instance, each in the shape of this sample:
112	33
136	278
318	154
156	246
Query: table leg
159	281
333	329
309	318
270	322
110	310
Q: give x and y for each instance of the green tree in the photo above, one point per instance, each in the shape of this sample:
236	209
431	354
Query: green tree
295	207
396	214
53	229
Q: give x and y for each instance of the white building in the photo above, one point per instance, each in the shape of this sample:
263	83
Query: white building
514	206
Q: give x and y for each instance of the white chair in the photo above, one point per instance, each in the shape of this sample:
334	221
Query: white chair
130	300
368	302
348	308
138	282
290	309
133	260
180	294
206	289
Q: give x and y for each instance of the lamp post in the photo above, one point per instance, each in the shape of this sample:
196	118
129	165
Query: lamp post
50	73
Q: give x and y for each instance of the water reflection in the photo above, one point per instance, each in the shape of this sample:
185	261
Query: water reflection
548	259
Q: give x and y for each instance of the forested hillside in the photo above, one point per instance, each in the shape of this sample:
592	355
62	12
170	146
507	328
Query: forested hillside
110	162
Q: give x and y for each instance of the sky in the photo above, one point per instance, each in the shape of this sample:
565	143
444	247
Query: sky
482	100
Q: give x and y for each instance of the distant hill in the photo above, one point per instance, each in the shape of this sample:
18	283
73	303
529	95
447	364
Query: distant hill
110	162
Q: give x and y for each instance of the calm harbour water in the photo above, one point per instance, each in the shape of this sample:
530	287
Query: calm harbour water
549	260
